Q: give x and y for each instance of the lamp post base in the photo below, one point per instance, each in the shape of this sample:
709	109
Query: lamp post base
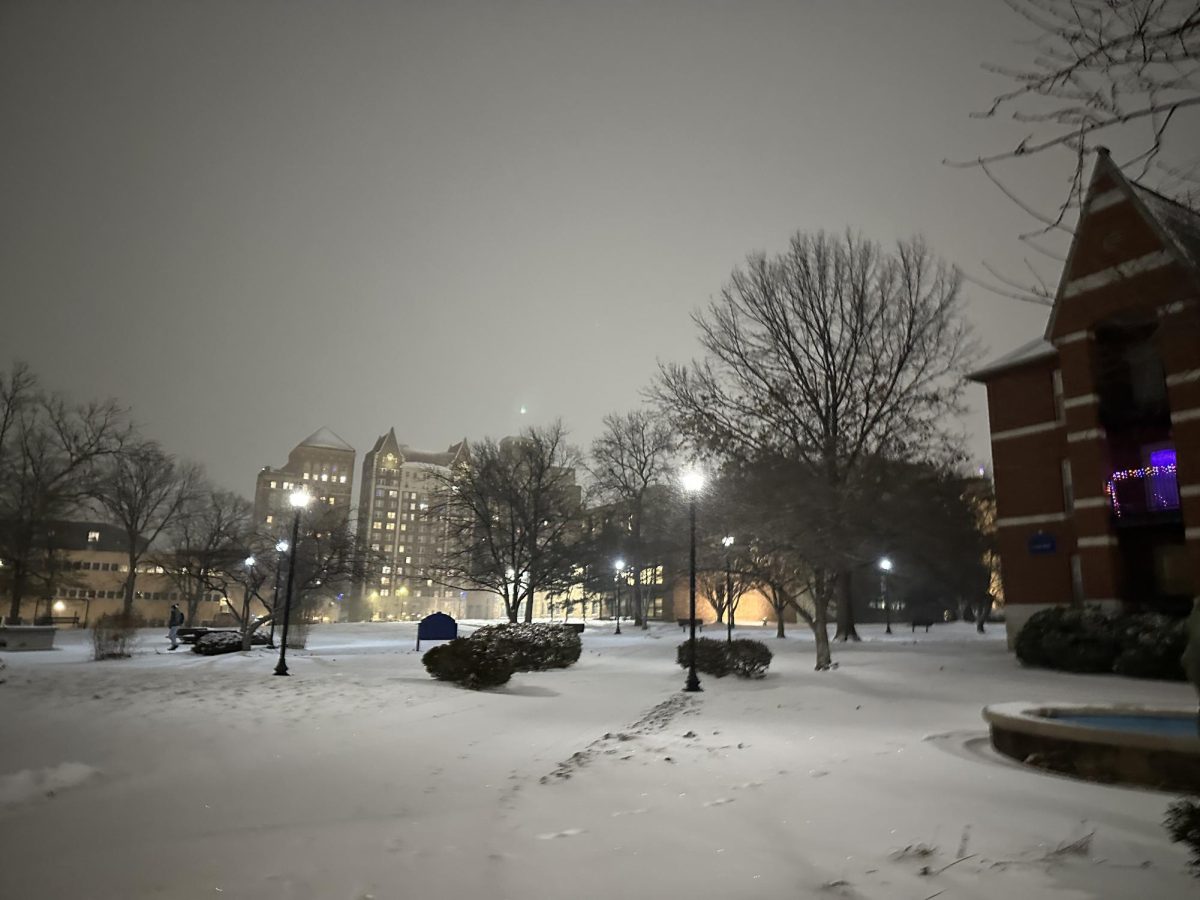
692	685
282	669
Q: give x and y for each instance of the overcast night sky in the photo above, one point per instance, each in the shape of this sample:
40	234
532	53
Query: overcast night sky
251	219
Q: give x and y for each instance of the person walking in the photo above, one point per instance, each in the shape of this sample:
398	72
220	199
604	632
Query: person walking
173	622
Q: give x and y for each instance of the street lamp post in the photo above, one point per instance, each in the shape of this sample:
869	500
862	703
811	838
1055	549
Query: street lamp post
299	500
618	578
693	483
281	547
885	566
727	542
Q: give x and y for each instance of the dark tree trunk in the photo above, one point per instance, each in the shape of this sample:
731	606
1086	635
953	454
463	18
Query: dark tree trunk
821	633
18	594
845	611
130	584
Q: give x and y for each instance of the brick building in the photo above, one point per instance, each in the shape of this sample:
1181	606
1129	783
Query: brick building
1095	426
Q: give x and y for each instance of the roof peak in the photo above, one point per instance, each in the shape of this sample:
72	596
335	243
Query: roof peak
325	438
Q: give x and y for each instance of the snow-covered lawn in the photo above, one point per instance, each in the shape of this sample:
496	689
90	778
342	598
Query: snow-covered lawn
173	775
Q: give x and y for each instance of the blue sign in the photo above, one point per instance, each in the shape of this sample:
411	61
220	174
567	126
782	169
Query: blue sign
1042	542
436	627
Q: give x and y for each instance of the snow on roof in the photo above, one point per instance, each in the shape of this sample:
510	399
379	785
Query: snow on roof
325	439
1182	225
1038	348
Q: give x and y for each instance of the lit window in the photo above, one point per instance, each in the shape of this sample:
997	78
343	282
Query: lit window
93	537
391	526
343	479
408	559
400	548
391	515
270	519
404	528
385	593
376	525
272	485
306	476
387	570
375	547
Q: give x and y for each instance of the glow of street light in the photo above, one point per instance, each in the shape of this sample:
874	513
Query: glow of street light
510	573
300	499
619	565
885	564
282	546
249	561
692	481
727	541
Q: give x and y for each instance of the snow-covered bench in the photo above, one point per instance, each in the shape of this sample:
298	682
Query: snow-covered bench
684	623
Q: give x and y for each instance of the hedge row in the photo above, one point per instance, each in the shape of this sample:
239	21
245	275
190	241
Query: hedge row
490	656
1142	645
743	657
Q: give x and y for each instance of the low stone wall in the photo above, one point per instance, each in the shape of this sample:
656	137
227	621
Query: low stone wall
27	637
1031	735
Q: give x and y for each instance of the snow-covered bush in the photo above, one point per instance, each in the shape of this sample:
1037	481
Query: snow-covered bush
1151	647
1086	640
471	663
712	657
748	658
1074	640
1183	824
743	657
217	642
114	635
535	647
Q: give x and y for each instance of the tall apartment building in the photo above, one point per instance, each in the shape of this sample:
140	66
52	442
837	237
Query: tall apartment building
406	543
323	463
1096	426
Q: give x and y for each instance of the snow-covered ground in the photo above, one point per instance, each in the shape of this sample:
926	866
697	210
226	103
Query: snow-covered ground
173	775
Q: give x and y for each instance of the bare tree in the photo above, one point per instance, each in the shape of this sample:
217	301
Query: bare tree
513	513
1121	71
211	532
144	490
629	460
818	360
49	451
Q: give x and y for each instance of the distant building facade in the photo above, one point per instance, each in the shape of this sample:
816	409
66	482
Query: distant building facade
322	463
1096	426
404	542
89	576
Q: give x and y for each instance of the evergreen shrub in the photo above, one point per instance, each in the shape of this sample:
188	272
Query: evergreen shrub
217	642
1152	647
749	659
1183	824
1086	640
470	663
533	647
743	657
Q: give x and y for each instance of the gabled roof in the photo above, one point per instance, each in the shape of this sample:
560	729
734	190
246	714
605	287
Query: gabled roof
1177	226
386	442
326	440
1180	225
1026	353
